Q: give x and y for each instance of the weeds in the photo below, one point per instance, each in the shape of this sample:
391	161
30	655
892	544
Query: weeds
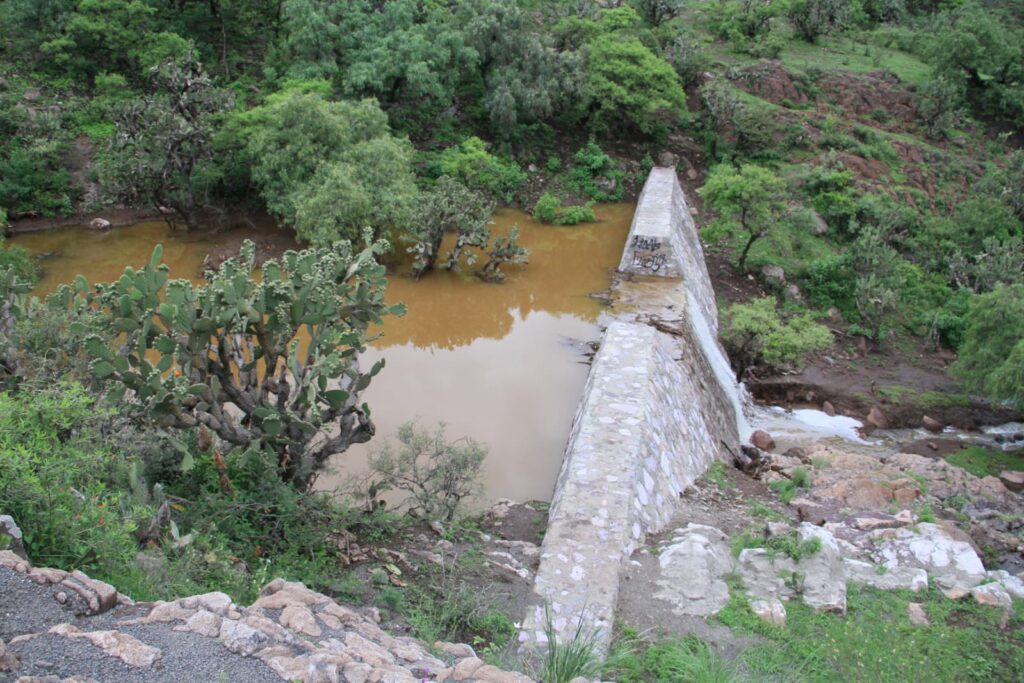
564	661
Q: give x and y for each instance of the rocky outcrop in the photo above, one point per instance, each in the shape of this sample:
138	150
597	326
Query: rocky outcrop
290	633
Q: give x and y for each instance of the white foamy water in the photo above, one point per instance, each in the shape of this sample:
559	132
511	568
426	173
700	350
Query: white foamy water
719	365
807	423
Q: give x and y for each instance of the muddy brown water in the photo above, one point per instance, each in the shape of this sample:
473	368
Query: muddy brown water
498	363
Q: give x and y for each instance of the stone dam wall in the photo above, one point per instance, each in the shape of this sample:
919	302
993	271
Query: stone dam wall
656	411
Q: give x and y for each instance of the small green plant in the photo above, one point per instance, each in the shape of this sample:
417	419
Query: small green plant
554	165
787	488
759	509
688	659
546	208
716	475
983	462
566	660
785	544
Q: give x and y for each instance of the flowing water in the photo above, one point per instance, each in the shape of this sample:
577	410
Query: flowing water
500	363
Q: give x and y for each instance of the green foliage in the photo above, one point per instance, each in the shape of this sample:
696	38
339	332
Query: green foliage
738	19
546	208
549	209
939	105
323	166
189	350
629	86
471	163
755	334
504	249
17	259
564	660
815	18
595	175
991	357
979	50
875	640
687	659
788	544
749	201
436	474
986	462
161	153
62	484
449	609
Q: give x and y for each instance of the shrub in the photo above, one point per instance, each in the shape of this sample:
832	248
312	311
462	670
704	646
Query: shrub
480	170
572	215
61	483
595	175
546	208
437	474
754	333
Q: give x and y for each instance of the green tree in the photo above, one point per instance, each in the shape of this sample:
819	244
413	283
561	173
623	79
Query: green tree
658	11
523	76
815	18
749	200
628	85
982	51
329	169
754	334
991	359
162	150
268	364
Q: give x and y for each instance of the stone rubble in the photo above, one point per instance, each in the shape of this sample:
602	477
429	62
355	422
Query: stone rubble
300	634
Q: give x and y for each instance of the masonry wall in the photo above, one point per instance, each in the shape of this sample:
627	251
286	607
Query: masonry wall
653	417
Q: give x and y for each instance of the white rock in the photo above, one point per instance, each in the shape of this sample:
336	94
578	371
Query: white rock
952	564
1013	585
907	578
992	594
693	568
771	611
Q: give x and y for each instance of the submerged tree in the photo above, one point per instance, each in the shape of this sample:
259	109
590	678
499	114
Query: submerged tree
161	150
450	207
268	365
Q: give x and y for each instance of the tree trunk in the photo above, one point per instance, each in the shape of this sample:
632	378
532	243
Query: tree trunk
746	250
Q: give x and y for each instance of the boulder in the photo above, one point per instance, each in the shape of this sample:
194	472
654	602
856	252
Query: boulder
877	419
8	662
128	649
818	579
951	563
762	440
774	276
1013	585
11	535
828	409
994	595
916	614
898	578
771	611
931	424
1012	480
100	224
693	569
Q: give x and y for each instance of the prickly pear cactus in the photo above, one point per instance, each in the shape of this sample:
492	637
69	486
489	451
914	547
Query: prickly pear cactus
269	363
